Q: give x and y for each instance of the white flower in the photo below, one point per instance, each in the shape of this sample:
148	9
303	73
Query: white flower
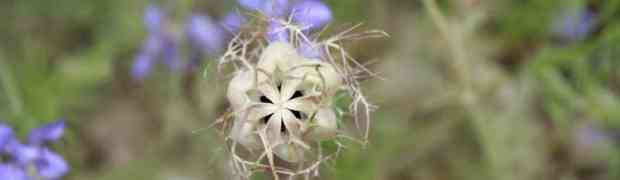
287	97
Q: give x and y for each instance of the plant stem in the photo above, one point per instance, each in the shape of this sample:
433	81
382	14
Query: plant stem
10	87
459	63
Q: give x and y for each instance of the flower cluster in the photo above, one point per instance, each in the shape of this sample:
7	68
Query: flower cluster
208	36
204	35
31	160
310	15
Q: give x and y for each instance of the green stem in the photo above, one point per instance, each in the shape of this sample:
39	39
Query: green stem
10	87
459	64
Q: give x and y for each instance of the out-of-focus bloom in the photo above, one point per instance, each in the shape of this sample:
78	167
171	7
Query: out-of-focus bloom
276	32
575	25
32	155
159	45
154	18
309	14
232	22
310	50
204	33
271	8
312	14
12	172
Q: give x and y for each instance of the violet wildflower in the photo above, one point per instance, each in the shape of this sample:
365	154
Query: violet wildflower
232	22
159	45
312	14
32	155
308	14
575	25
310	50
271	8
202	32
276	32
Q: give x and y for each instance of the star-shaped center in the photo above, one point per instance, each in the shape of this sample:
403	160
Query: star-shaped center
282	103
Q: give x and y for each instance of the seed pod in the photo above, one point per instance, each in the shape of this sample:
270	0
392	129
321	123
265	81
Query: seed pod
323	126
283	98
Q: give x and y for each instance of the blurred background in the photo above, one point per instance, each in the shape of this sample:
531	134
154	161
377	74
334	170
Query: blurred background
471	89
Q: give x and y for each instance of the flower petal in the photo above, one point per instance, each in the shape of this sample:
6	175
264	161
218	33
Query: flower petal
258	111
142	66
6	135
51	165
310	50
270	91
233	21
303	104
276	32
575	24
154	18
21	153
289	87
252	4
205	34
11	172
292	125
311	13
47	133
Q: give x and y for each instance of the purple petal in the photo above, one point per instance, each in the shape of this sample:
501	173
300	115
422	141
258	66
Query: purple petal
141	66
311	13
233	21
6	134
12	172
154	44
154	18
276	32
575	25
205	34
21	153
311	50
171	54
47	133
275	8
271	8
252	4
51	165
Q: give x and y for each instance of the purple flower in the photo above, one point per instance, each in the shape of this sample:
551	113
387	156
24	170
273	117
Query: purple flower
232	22
12	172
310	50
271	8
159	45
6	134
277	32
575	25
50	164
154	18
34	154
204	34
141	66
22	154
48	133
311	13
